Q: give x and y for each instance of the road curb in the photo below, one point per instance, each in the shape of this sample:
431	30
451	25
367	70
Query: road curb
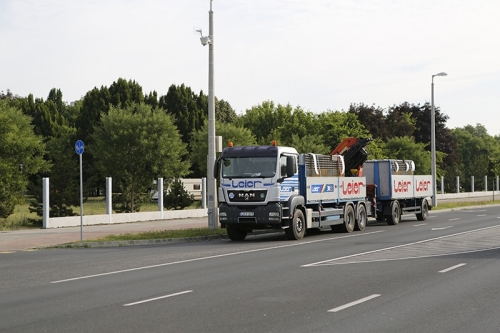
137	242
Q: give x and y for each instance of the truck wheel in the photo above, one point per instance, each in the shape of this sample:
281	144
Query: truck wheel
236	234
298	228
424	211
395	216
349	219
362	218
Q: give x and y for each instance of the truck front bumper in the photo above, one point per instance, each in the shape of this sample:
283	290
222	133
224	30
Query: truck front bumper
251	217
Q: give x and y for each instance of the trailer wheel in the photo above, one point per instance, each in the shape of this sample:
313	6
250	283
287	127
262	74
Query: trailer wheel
236	234
424	211
349	219
395	216
362	218
298	228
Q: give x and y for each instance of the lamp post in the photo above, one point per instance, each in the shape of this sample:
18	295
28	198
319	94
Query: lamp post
433	141
211	182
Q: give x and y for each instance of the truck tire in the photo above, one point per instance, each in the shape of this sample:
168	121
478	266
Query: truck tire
349	219
424	211
297	229
362	218
395	216
236	234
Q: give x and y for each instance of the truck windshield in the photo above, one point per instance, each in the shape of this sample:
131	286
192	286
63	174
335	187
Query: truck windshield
248	167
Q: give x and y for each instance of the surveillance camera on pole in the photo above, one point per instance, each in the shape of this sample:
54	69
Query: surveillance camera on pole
204	39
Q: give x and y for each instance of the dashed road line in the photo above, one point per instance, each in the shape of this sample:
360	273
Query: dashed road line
158	298
359	301
452	268
442	228
421	224
455	219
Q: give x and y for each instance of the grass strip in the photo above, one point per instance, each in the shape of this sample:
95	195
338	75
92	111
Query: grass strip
162	234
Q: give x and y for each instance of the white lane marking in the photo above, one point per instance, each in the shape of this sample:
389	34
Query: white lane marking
157	298
451	268
215	256
481	215
442	228
455	219
421	224
397	246
359	301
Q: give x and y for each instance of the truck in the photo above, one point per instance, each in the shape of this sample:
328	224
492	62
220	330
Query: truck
275	187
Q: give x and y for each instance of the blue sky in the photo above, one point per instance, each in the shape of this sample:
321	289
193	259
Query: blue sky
317	54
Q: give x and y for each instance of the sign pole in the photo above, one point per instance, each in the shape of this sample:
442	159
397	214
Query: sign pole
81	200
79	148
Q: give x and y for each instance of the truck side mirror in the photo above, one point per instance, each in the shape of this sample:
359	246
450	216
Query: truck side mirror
216	168
290	166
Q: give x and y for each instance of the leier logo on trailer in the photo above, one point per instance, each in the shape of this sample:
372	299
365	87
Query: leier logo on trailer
352	187
402	186
423	186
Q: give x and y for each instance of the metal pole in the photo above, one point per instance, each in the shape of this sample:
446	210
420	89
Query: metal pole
211	182
81	200
433	146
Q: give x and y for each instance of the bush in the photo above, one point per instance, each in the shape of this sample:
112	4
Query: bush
177	197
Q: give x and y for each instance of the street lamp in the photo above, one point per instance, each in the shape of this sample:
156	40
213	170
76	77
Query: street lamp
433	142
211	184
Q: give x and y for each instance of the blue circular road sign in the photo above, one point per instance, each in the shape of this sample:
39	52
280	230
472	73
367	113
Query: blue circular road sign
79	147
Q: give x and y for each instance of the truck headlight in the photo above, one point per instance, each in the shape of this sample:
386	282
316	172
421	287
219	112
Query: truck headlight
222	214
274	214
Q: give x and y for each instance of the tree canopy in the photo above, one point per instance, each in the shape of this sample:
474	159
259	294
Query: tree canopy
21	155
136	145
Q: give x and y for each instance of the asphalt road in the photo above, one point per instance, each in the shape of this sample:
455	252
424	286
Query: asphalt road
440	275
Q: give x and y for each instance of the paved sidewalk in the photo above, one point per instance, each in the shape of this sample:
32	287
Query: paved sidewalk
33	238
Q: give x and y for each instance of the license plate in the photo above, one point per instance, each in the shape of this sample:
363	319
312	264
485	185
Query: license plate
246	213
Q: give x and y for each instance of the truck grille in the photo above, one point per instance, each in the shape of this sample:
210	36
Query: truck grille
247	196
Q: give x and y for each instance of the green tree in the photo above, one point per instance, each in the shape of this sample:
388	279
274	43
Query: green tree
335	126
21	155
184	105
373	118
136	145
64	176
124	93
224	113
476	150
405	148
199	144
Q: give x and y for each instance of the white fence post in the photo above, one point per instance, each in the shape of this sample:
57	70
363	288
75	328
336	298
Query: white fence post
458	184
109	197
498	188
160	196
472	184
442	184
485	183
46	204
203	193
